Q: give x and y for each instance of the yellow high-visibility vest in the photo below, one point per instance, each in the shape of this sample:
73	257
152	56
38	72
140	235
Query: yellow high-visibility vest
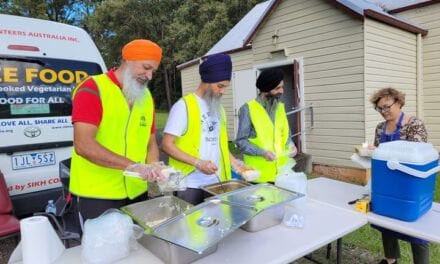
123	131
270	136
190	141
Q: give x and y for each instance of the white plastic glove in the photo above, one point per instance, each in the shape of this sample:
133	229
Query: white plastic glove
146	171
206	166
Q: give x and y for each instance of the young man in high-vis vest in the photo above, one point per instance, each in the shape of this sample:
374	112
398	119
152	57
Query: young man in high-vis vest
263	132
113	123
195	135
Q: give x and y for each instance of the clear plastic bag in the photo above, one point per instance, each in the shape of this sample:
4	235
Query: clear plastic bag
109	237
294	213
291	180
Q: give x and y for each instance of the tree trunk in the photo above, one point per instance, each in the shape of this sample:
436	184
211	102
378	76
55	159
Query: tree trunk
167	87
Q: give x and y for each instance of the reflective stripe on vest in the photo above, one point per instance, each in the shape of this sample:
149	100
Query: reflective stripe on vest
123	131
269	136
188	143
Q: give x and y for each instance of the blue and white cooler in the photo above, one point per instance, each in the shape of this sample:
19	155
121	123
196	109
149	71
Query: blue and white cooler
403	179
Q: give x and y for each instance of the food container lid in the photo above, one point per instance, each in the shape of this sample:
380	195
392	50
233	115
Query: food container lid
406	152
261	196
151	213
204	225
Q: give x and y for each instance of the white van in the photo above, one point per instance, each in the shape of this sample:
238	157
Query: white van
40	63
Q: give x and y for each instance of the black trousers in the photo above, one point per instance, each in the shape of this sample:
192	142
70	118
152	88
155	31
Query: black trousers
392	250
90	208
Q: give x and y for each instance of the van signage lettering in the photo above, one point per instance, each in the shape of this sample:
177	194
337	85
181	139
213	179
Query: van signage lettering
25	123
34	184
46	75
31	34
10	100
7	123
31	100
34	122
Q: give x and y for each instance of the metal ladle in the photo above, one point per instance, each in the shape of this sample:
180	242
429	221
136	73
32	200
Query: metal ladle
220	181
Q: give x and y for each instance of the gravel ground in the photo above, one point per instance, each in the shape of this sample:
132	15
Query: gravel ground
6	248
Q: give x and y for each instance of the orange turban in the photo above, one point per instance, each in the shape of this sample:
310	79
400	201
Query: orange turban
142	49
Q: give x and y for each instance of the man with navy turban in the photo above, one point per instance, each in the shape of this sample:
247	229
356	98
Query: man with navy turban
195	136
263	131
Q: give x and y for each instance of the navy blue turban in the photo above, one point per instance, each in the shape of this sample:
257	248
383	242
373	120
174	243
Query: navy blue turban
216	68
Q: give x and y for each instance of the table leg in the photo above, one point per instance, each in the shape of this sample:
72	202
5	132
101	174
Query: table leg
338	250
329	249
309	257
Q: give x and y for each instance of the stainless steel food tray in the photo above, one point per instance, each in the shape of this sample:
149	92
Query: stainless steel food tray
224	187
267	200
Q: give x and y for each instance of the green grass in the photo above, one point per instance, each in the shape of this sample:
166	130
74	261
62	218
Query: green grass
161	119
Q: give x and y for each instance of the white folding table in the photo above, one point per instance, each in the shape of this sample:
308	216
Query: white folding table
339	193
323	223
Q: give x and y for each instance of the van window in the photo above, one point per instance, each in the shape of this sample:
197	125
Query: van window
40	87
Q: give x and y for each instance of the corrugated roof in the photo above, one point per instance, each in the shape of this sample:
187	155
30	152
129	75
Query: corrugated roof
380	6
236	38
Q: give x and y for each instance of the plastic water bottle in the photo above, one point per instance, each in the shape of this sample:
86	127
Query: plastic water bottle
51	208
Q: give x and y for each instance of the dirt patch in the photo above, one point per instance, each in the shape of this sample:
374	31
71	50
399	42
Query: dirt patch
8	245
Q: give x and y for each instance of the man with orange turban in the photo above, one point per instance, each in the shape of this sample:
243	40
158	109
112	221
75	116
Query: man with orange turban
114	130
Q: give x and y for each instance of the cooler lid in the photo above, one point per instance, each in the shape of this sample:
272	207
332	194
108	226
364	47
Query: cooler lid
406	152
260	196
204	225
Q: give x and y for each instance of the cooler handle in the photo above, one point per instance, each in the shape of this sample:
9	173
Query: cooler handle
395	165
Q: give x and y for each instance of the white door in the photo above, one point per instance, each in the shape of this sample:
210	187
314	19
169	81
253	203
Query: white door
244	89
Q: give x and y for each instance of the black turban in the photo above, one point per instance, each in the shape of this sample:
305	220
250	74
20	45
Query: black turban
269	79
216	68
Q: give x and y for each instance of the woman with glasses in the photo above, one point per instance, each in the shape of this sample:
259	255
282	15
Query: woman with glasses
398	126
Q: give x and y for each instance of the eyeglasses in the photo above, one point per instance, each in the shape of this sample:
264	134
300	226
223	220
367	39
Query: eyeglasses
385	108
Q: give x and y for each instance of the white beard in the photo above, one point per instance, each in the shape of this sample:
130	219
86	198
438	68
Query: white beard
131	88
214	103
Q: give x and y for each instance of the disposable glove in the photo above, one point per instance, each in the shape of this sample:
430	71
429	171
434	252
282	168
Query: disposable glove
148	172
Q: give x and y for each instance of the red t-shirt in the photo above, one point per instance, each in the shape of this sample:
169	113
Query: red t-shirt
87	107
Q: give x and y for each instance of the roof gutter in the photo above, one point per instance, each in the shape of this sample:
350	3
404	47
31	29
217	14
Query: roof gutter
197	60
414	6
346	10
187	64
394	22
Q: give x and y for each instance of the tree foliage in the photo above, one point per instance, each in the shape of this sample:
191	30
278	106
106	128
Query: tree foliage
185	29
64	11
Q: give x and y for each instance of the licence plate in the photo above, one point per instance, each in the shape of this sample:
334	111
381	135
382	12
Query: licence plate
32	160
